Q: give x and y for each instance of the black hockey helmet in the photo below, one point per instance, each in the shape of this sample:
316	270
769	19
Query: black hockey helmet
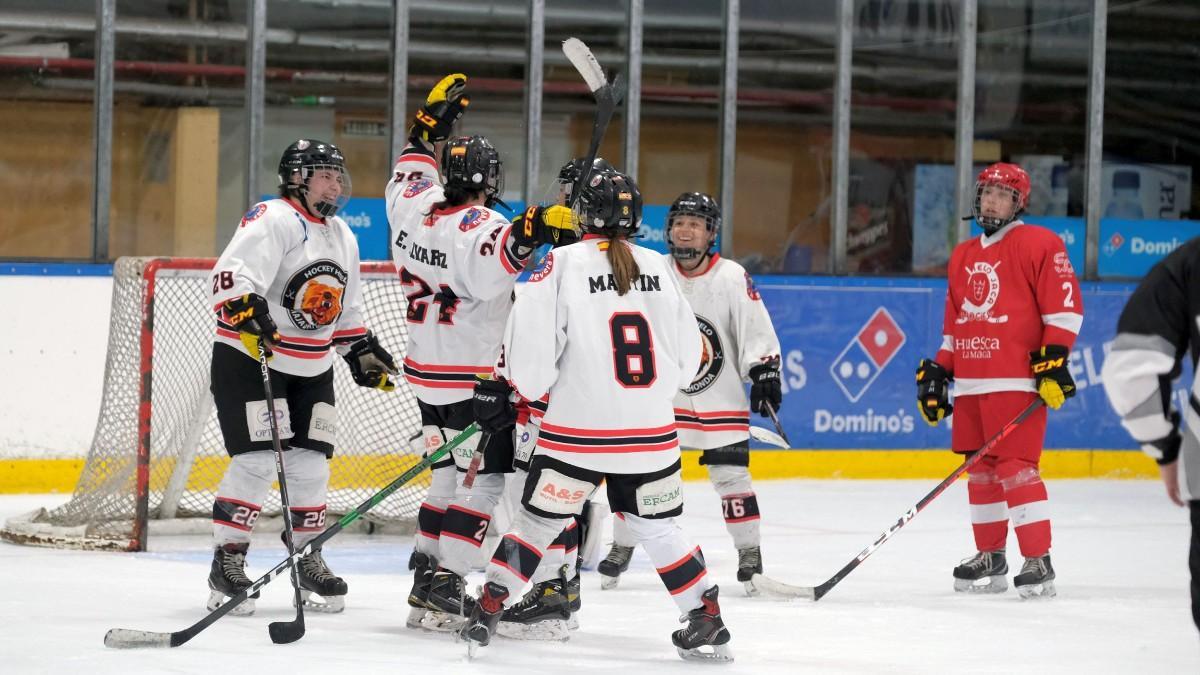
699	205
473	163
298	164
572	171
609	202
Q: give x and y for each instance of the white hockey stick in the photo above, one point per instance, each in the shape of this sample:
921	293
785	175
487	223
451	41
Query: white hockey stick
769	437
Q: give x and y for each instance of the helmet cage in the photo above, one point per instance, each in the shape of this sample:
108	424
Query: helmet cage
303	159
701	206
991	224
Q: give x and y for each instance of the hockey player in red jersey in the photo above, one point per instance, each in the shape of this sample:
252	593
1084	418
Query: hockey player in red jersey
712	411
1013	310
602	329
458	260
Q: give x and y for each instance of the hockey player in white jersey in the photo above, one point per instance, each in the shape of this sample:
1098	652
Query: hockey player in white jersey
287	283
712	411
458	260
548	610
602	328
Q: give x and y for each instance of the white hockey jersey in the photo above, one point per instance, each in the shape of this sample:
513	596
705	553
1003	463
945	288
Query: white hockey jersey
713	410
307	269
458	273
611	364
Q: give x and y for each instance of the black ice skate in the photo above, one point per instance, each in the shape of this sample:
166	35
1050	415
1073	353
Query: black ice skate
422	566
449	602
983	573
544	613
616	562
485	615
705	637
320	589
1036	579
228	577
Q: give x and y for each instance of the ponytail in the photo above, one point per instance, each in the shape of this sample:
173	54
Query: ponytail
453	195
620	258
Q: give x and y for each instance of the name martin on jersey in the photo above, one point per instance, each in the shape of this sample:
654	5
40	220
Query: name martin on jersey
606	282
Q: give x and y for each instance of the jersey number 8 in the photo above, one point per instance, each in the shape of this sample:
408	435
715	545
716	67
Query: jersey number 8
633	349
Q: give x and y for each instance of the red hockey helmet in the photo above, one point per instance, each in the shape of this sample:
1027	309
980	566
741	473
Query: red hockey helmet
1005	175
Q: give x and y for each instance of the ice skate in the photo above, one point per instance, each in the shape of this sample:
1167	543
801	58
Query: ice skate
543	614
485	615
749	564
448	602
228	577
616	562
422	566
1036	579
705	637
983	573
320	589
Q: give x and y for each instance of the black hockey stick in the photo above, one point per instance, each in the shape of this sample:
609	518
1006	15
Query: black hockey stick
778	426
818	592
607	97
282	632
125	638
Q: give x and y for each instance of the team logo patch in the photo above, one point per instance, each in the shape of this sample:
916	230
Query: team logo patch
473	218
1062	264
313	296
543	269
416	187
983	285
712	358
750	289
253	214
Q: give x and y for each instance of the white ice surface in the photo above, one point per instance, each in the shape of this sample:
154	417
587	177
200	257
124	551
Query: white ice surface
1120	550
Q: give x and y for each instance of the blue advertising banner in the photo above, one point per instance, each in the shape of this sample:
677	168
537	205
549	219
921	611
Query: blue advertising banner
851	346
1129	248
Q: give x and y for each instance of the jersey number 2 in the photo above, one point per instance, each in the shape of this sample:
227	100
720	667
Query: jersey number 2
633	349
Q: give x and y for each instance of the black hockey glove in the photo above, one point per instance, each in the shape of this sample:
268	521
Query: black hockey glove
933	392
554	225
490	404
1050	375
370	364
434	122
1166	449
251	317
765	387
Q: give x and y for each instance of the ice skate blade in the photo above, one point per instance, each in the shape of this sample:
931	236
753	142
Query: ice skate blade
1042	591
984	586
573	622
334	604
608	583
707	653
441	622
217	598
550	630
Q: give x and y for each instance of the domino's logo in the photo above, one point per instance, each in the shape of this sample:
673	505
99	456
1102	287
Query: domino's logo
861	361
1114	244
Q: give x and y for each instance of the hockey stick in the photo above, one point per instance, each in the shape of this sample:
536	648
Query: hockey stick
778	426
476	459
282	632
818	592
769	437
607	97
125	638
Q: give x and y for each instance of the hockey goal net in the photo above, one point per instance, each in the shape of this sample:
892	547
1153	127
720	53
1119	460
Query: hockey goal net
157	454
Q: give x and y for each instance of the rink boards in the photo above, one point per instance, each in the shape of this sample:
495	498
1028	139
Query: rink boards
850	346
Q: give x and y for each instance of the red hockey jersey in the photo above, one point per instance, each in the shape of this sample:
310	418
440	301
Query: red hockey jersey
1007	295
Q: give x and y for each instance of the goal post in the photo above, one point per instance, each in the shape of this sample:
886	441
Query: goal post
157	454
